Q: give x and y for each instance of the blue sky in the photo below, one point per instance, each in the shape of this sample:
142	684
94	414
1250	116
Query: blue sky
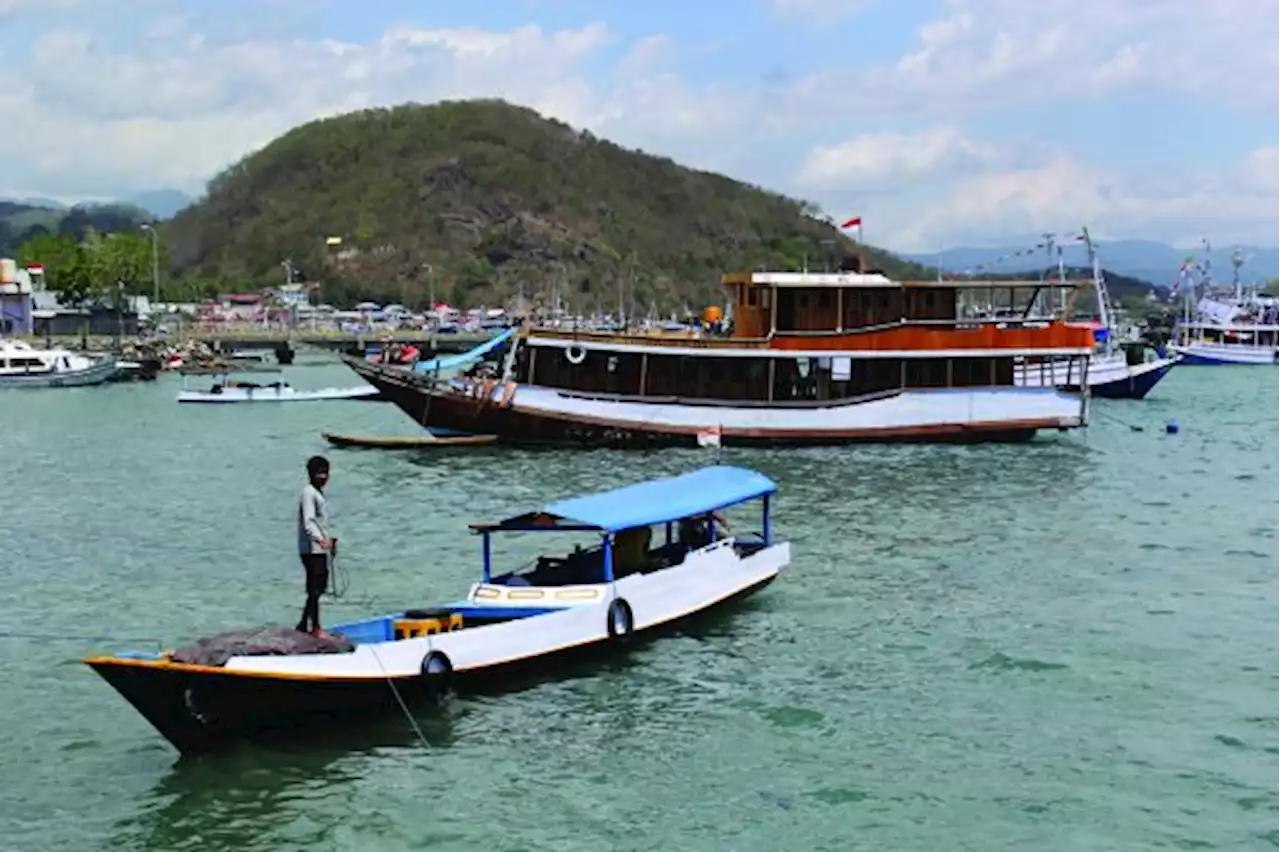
940	122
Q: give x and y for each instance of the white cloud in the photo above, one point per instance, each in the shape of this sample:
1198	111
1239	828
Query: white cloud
998	54
181	107
874	159
648	54
1062	192
181	104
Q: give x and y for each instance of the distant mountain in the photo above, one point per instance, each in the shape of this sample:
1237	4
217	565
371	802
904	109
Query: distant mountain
161	203
20	222
1147	260
46	203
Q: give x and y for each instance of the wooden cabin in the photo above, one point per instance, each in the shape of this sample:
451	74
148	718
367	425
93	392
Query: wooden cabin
801	337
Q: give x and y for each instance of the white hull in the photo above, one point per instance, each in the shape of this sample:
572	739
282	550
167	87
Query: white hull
1102	371
706	577
95	374
1227	354
275	394
911	411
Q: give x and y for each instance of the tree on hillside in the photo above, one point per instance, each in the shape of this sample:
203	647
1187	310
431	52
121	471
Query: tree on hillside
92	269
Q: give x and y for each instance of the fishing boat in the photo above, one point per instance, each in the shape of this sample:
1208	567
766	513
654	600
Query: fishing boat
628	585
24	366
808	358
1238	326
1118	369
228	390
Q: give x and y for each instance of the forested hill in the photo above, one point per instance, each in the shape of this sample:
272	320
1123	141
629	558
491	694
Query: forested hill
479	199
20	221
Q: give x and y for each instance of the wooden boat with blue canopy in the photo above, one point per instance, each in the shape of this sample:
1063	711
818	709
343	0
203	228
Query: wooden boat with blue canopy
659	552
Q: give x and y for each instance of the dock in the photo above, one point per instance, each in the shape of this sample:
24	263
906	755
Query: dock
229	339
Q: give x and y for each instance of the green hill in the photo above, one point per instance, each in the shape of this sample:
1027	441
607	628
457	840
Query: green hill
21	221
477	200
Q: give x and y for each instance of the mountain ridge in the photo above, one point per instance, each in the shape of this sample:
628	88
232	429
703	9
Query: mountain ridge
159	203
1149	260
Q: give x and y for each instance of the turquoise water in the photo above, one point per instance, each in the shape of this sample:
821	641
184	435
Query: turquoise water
1065	645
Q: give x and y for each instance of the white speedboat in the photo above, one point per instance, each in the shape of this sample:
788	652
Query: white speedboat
235	391
24	366
659	561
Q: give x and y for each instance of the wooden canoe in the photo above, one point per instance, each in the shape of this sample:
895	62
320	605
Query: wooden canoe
412	442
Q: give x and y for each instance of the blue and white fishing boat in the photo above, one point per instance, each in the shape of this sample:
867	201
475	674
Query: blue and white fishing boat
24	366
659	557
1239	326
1116	371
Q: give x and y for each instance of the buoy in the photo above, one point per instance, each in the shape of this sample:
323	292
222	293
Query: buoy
1171	427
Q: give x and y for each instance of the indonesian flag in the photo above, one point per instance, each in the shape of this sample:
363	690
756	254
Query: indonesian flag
854	222
36	269
709	437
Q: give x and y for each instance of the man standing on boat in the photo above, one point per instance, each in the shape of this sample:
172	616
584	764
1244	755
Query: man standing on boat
315	545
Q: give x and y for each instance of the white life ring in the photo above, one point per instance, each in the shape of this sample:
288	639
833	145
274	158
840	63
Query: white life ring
575	354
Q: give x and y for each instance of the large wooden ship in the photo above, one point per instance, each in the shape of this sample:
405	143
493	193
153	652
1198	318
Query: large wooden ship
809	358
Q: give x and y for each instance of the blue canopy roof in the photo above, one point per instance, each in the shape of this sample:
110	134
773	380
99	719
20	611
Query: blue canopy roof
661	500
448	362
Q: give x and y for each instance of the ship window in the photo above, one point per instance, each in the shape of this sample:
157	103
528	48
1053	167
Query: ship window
751	297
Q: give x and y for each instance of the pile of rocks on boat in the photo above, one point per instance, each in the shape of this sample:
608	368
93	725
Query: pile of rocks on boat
258	642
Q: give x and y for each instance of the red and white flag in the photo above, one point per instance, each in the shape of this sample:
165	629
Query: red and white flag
709	437
853	222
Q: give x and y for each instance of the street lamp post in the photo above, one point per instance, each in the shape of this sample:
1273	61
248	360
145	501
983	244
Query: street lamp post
155	263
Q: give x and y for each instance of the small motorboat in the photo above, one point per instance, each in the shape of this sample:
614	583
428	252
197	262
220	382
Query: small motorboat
602	598
230	390
24	366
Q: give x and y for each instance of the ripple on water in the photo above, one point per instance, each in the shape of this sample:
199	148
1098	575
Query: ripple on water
955	659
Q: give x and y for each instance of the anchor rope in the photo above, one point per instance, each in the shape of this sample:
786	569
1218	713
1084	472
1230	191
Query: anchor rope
404	708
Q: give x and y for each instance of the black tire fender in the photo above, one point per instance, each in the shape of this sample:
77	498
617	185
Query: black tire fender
437	673
619	620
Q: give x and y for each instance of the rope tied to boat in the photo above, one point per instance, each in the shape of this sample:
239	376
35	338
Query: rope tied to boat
404	708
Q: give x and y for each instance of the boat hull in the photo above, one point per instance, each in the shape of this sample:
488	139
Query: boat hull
97	374
202	709
1202	355
531	415
1110	379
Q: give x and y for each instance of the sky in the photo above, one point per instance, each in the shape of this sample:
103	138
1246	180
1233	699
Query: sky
939	122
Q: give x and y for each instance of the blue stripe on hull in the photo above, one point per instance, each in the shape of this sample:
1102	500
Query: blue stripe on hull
1208	361
1130	387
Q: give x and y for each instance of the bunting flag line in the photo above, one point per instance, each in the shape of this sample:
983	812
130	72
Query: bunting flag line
1049	244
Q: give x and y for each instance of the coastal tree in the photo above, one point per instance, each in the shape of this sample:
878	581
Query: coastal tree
97	268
